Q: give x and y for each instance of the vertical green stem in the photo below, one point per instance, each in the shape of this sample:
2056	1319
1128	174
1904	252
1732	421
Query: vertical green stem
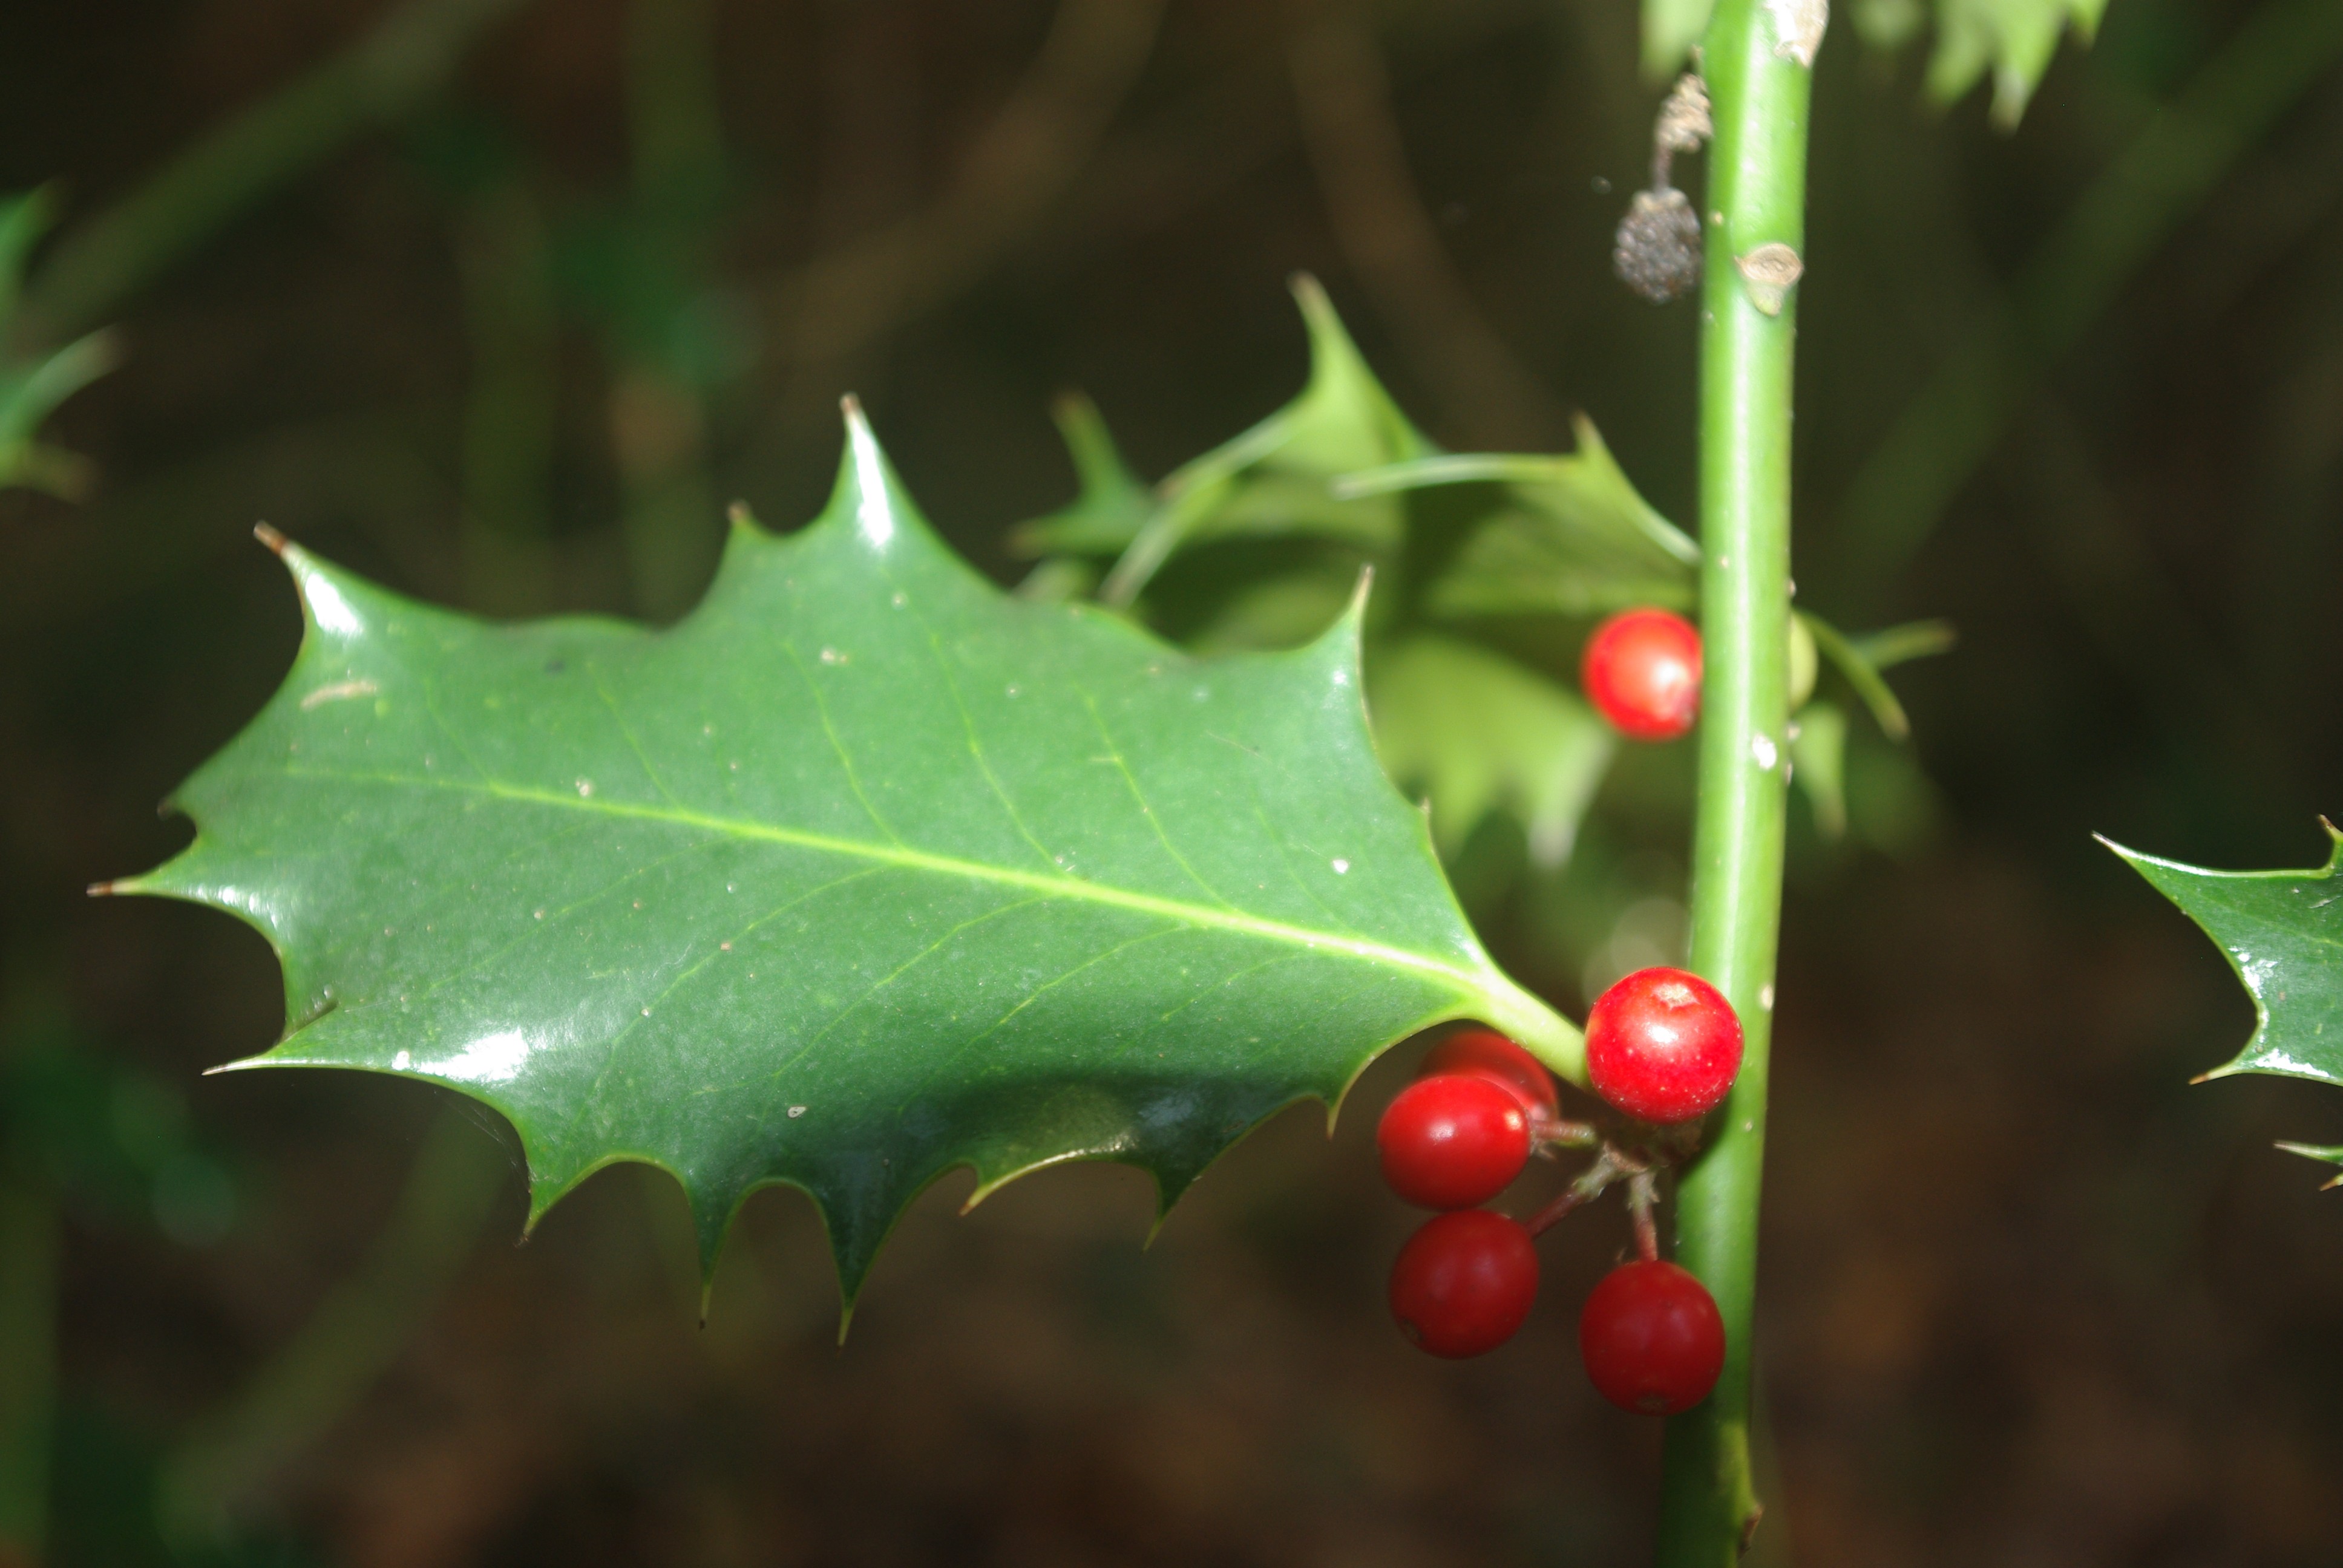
1759	98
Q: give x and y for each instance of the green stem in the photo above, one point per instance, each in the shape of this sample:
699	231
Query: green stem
1756	196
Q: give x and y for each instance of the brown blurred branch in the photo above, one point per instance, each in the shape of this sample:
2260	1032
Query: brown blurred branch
841	300
1378	220
357	1332
2166	173
407	57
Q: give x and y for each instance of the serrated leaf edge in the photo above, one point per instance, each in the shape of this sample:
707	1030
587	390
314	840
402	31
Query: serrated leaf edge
869	496
2241	1063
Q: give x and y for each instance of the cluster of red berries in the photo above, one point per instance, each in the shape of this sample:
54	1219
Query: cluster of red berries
1663	1047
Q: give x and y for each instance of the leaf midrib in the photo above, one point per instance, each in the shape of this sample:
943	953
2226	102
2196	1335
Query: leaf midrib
1469	982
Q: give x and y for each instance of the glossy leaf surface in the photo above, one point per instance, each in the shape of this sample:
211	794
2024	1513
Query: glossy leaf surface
2282	932
863	871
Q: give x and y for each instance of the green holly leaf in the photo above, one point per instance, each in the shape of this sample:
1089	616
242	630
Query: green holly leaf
1566	535
2282	932
1276	479
1477	732
862	872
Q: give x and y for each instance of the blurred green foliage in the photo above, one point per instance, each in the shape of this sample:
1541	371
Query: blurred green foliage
2076	386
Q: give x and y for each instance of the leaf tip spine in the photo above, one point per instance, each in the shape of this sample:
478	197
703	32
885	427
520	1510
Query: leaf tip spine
1310	295
241	1064
276	543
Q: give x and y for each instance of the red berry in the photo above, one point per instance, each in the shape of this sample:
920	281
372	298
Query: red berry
1662	1045
1485	1054
1463	1283
1652	1339
1642	671
1453	1141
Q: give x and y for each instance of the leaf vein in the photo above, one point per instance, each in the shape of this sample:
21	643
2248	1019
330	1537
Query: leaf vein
821	710
1121	766
1470	982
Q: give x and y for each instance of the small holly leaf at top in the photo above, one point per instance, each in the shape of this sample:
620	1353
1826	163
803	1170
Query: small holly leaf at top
1569	535
1476	733
2013	39
2282	932
863	871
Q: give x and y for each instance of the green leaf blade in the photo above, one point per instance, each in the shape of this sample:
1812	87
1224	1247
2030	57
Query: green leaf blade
1479	732
861	873
2282	933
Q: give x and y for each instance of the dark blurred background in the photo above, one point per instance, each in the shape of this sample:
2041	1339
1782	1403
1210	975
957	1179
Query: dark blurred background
503	312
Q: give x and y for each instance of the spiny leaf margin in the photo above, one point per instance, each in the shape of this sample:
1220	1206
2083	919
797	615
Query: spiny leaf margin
2282	934
1346	995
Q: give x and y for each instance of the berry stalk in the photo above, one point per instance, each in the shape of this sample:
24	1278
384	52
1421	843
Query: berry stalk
1756	58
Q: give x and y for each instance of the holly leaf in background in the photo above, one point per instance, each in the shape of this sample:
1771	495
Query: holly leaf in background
1861	660
2282	932
32	386
2013	39
1818	765
1567	535
1477	732
1281	611
1271	481
1111	505
1671	29
862	872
